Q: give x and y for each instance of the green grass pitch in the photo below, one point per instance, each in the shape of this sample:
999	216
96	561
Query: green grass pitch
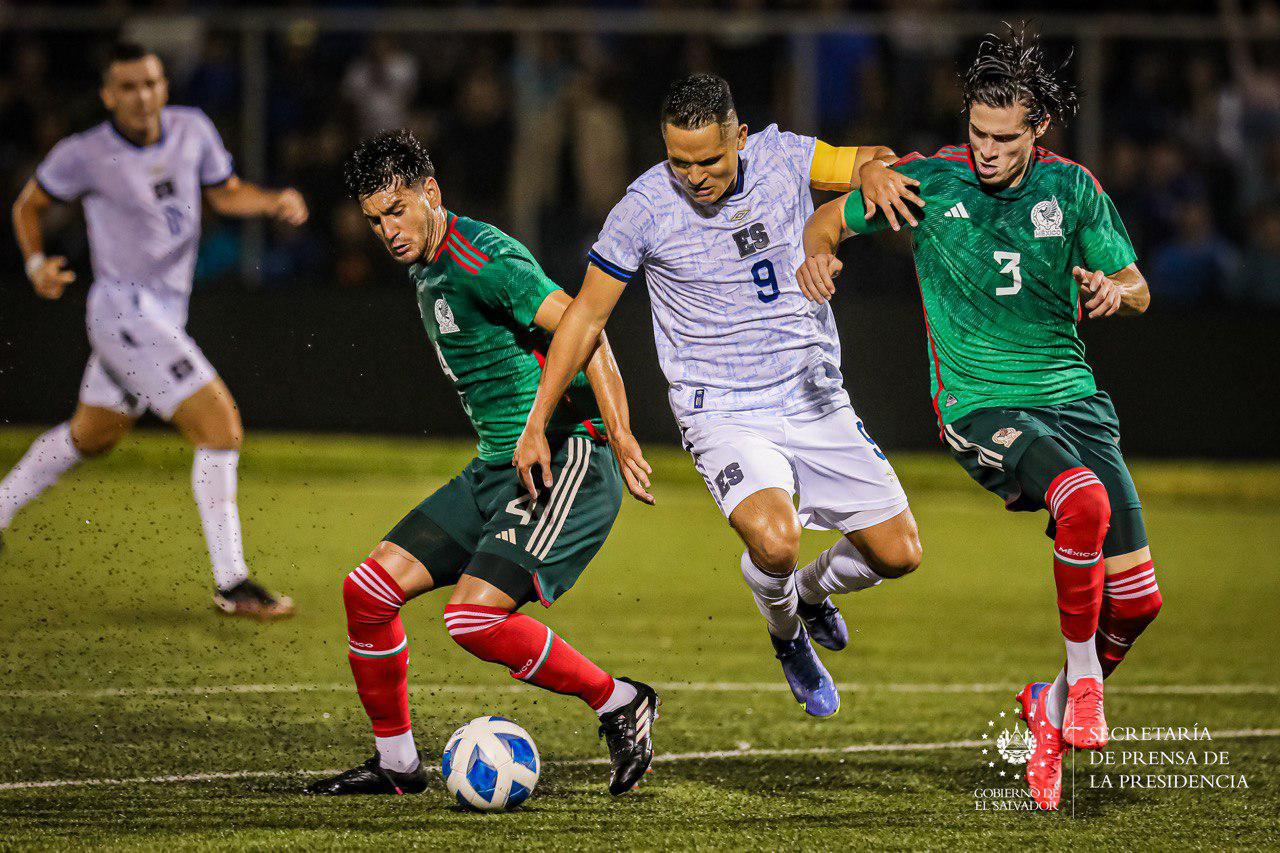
113	666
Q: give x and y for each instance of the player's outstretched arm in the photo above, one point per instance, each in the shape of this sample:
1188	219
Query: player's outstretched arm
49	276
822	234
575	339
611	399
1124	292
242	199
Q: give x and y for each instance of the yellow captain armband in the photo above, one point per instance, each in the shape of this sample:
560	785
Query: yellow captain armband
832	167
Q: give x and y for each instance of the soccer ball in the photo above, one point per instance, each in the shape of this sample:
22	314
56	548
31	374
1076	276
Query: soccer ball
490	764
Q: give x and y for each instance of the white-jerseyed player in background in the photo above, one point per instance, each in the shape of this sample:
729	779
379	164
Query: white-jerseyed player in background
753	365
142	176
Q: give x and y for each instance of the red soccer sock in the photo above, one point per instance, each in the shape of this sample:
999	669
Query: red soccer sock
1078	502
1130	602
531	650
379	650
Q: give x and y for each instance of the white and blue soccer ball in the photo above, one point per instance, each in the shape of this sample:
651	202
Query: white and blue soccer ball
490	764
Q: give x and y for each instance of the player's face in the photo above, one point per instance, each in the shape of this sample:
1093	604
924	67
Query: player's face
405	218
705	160
1001	142
135	92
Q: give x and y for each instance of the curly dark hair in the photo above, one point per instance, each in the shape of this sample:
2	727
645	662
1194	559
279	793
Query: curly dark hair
1012	70
697	101
389	159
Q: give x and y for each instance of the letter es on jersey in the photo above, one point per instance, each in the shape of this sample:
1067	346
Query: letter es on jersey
751	239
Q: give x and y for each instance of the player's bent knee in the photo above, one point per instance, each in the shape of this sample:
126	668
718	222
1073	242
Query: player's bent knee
776	548
1078	499
95	443
900	560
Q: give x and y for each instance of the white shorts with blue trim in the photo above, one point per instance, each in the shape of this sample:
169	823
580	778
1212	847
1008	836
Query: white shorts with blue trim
841	479
142	358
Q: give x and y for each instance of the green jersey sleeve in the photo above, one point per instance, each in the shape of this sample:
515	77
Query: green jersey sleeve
516	286
855	209
1102	238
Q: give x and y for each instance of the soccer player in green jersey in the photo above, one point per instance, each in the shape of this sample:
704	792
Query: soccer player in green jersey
1014	246
488	310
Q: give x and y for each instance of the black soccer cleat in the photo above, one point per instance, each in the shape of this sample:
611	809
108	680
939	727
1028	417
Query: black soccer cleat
250	600
628	733
825	624
371	778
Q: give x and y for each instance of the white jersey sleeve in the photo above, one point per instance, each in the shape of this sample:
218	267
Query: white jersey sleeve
62	173
797	152
216	165
623	246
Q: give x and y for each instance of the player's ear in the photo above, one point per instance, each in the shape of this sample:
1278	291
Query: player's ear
742	136
1042	128
431	188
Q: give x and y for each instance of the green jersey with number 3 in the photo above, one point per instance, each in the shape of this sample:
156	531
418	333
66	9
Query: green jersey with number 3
478	296
1001	305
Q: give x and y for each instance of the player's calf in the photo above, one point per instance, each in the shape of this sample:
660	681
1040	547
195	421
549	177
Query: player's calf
1081	510
1131	601
379	656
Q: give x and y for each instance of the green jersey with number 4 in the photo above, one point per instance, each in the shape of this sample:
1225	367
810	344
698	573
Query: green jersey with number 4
478	296
1001	305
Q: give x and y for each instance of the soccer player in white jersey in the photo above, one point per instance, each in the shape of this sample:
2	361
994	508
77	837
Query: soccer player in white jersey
754	367
142	176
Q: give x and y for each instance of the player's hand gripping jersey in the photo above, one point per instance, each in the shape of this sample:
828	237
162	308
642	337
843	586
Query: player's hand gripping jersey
141	203
478	296
734	332
1001	304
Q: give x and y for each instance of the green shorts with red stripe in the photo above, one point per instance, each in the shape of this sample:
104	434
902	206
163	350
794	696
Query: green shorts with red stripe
990	444
483	522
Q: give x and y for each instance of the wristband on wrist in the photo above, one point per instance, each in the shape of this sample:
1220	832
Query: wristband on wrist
34	263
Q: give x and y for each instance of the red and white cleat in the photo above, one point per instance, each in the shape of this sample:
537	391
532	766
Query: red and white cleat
1044	767
1083	725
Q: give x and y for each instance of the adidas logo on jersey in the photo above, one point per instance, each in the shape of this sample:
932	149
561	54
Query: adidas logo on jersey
957	212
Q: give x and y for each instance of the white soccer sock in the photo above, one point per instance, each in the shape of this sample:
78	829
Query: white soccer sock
841	568
1082	661
775	596
48	458
1055	704
398	753
213	479
621	695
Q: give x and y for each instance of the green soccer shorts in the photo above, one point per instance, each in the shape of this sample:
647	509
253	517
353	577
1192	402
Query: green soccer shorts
992	444
483	523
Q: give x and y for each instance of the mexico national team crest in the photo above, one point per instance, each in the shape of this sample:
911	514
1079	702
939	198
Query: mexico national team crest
444	317
1006	437
1047	218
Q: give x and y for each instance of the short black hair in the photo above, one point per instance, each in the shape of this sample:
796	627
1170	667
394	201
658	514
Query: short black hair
391	158
697	101
1012	70
124	51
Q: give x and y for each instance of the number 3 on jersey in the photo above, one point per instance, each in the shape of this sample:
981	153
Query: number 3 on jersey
1012	267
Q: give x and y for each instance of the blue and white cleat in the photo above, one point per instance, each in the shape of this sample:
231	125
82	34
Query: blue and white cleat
809	680
825	624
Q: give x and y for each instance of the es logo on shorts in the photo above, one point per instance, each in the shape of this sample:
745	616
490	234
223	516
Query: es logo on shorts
728	478
1006	437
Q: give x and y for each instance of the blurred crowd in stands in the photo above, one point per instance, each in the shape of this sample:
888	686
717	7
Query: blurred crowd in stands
542	136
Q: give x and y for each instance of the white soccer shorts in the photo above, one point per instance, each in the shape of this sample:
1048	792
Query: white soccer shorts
843	480
142	356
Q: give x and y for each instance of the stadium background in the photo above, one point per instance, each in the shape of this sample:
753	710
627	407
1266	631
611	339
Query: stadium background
134	718
537	119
